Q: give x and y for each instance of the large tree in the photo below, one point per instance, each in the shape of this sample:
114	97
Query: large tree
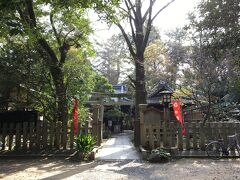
140	23
53	27
212	52
220	19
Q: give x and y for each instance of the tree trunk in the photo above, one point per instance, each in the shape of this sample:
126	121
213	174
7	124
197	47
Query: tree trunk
61	96
140	95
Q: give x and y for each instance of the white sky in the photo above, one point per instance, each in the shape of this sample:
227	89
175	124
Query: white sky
173	16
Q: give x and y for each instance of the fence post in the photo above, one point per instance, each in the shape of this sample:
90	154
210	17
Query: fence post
38	135
10	139
187	138
202	141
31	135
45	134
51	138
194	126
4	136
25	135
208	132
18	136
180	138
224	132
72	135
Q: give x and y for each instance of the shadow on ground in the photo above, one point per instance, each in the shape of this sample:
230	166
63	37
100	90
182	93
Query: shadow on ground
126	169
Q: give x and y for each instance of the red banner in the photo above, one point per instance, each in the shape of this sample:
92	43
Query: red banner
75	116
177	111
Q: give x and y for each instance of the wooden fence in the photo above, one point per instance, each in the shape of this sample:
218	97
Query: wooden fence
48	136
43	135
198	134
159	129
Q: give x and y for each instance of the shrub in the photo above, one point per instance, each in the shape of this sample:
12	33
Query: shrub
84	143
159	155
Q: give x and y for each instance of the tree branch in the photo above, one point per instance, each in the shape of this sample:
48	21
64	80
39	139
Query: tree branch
147	11
32	17
54	30
132	29
133	82
65	37
127	40
128	12
131	8
149	26
162	9
43	43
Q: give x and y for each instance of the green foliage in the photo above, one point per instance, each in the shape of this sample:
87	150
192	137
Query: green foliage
159	155
79	76
102	84
220	28
114	113
84	143
59	63
27	85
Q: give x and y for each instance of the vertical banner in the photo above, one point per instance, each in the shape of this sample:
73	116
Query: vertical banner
177	111
75	116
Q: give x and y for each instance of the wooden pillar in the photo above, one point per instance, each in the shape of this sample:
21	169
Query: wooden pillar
100	124
95	123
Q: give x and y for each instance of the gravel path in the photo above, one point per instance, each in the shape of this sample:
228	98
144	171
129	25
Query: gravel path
186	169
119	147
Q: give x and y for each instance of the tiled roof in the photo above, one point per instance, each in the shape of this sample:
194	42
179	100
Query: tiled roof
158	88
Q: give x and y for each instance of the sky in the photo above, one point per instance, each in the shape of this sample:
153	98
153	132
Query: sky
172	17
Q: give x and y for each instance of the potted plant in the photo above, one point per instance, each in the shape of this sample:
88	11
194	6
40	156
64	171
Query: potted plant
84	144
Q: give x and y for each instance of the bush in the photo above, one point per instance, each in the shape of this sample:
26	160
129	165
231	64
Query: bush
84	143
159	155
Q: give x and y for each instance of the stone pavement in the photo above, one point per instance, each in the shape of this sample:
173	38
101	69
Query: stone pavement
119	147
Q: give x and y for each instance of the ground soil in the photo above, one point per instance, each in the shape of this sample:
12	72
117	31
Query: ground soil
127	169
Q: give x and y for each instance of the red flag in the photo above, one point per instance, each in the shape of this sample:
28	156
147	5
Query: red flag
75	116
177	111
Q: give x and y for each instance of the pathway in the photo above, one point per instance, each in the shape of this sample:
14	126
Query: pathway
119	147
